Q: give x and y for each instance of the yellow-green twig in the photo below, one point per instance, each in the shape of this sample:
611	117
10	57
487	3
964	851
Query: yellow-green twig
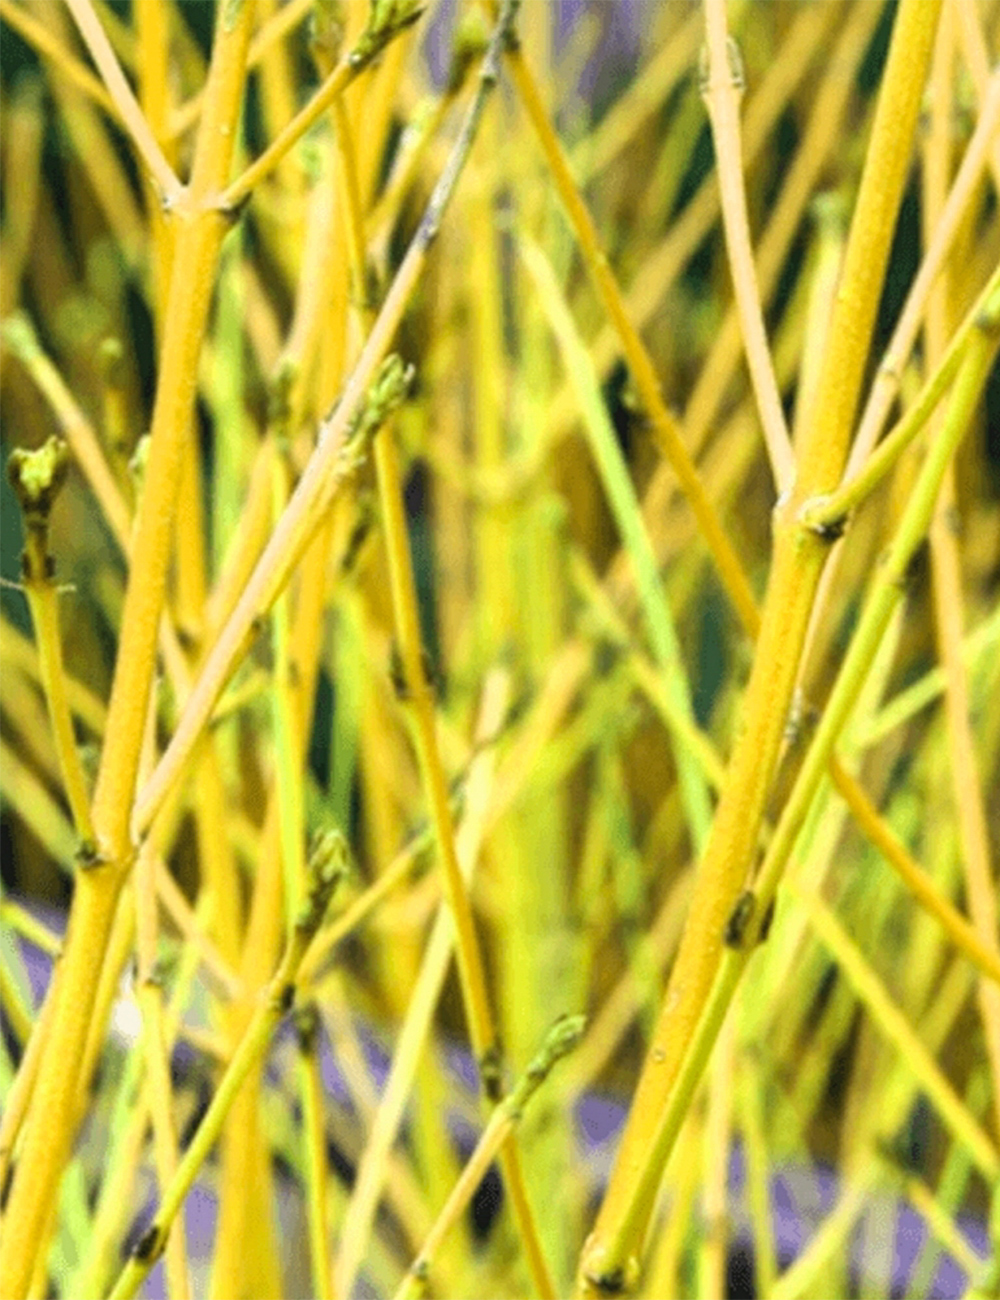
328	867
36	478
562	1038
373	40
129	111
722	94
830	511
665	427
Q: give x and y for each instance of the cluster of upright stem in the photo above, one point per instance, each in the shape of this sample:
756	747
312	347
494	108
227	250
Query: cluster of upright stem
823	466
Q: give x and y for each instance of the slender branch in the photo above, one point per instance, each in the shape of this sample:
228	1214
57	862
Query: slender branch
871	824
621	497
946	570
131	115
419	694
665	428
278	25
895	1025
643	97
36	478
337	457
822	134
19	335
722	94
963	190
561	1039
372	41
244	185
156	1059
827	513
921	693
919	884
18	1095
328	868
886	594
423	999
326	469
307	1030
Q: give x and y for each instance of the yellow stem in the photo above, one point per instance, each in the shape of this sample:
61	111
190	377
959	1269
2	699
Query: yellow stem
334	86
611	1256
50	1123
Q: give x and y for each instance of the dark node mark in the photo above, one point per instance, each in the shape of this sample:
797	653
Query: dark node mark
397	674
285	998
307	1028
88	856
432	674
187	637
607	654
149	1246
432	679
517	709
610	1283
357	539
916	568
740	917
765	922
232	212
894	1151
831	531
491	1072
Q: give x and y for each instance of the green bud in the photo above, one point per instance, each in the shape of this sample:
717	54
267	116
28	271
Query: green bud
471	40
386	19
36	477
329	865
563	1036
387	392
